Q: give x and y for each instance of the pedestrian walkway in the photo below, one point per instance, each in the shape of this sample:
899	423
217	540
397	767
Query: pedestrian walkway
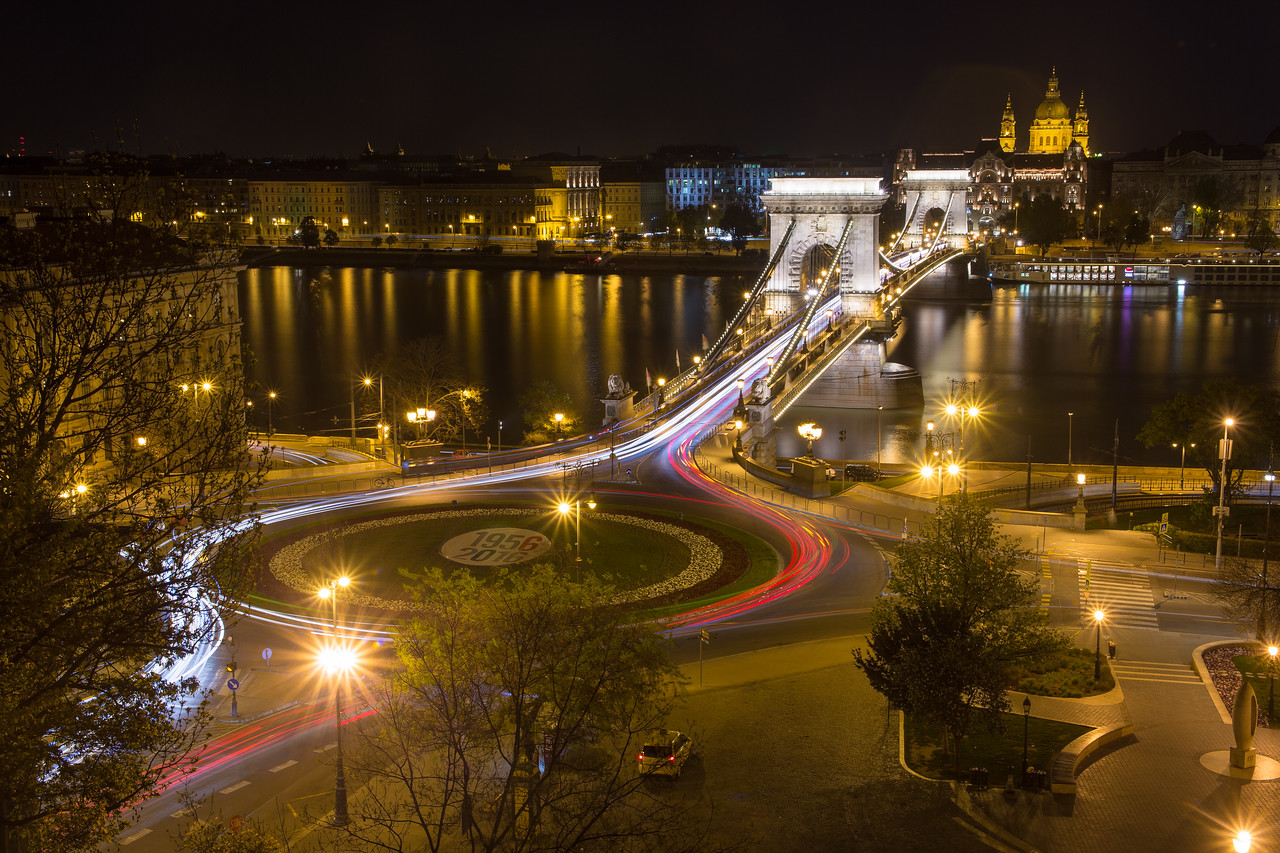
1124	597
1155	671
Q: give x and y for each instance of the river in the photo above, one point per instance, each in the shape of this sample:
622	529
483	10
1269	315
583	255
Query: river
1036	352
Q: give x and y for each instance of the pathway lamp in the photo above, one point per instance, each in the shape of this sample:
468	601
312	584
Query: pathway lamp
1272	651
1270	477
1224	452
1070	418
1026	719
1242	841
271	400
337	661
576	508
1098	616
738	425
558	417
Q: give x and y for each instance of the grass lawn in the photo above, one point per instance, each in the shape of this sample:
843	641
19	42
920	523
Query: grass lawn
1068	674
387	560
392	558
996	752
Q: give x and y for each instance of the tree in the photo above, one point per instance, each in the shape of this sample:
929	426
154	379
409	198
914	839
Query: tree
1043	222
961	619
376	241
1248	597
1198	418
1259	237
511	721
1212	198
739	221
424	373
331	238
121	424
213	836
309	233
539	404
392	240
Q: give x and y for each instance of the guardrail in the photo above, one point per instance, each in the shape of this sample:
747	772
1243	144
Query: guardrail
881	522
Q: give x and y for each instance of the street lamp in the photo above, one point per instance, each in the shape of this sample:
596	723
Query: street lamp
1242	841
1182	469
1026	719
1224	451
558	417
1098	616
271	399
738	425
1271	682
812	432
576	508
1070	419
338	662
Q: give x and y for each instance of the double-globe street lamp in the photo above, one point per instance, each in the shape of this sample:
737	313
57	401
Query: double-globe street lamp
337	660
1182	469
576	508
1098	616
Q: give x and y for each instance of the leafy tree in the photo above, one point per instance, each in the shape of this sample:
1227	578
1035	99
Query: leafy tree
1197	418
1042	222
376	241
425	374
331	238
1258	235
309	233
392	240
511	722
1213	197
109	437
741	224
539	404
1137	230
946	644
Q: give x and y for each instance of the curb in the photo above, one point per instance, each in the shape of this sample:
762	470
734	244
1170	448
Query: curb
1063	767
235	721
1197	660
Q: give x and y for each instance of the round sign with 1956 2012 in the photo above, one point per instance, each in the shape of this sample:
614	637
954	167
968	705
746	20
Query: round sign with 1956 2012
496	546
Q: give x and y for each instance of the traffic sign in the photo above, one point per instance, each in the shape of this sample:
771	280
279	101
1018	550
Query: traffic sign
236	823
266	654
705	636
233	684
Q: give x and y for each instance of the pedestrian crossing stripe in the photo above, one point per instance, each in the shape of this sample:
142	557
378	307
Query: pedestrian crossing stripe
1125	598
1046	585
1164	673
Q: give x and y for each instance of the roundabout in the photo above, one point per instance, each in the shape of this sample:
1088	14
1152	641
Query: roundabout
647	560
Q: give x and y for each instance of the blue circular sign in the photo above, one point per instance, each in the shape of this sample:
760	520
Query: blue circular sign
233	683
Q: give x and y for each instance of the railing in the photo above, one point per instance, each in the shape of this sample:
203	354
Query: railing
888	524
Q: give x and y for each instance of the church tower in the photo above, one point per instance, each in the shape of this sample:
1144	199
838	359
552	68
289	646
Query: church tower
1080	126
1051	129
1008	127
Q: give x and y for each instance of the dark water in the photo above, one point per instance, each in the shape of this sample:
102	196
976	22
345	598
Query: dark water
1036	351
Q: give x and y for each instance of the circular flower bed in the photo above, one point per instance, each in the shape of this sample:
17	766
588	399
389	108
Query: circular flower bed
705	556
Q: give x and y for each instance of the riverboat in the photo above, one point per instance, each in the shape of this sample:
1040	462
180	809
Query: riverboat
1194	271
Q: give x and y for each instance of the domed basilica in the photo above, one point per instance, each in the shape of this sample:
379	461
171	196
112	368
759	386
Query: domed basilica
1053	129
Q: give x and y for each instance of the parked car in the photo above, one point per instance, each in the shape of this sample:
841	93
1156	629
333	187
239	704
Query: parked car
861	473
664	753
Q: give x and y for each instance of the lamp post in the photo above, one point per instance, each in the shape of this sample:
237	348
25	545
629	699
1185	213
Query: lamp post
1242	842
1182	468
1026	719
879	439
738	441
1271	681
812	432
336	664
1224	451
1070	419
1270	477
1098	616
499	436
271	399
565	509
558	417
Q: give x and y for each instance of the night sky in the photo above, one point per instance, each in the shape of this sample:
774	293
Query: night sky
613	79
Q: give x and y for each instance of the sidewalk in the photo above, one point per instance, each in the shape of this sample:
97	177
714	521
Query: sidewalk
1158	790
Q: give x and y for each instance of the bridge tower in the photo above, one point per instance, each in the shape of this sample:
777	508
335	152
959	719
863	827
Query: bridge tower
936	196
821	208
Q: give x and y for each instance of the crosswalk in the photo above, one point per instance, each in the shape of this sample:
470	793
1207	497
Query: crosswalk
1125	597
1164	673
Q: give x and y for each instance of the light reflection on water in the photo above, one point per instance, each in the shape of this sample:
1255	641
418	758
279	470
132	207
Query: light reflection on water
1038	351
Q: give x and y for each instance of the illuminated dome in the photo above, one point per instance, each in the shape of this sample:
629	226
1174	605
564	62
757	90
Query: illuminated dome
1052	108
